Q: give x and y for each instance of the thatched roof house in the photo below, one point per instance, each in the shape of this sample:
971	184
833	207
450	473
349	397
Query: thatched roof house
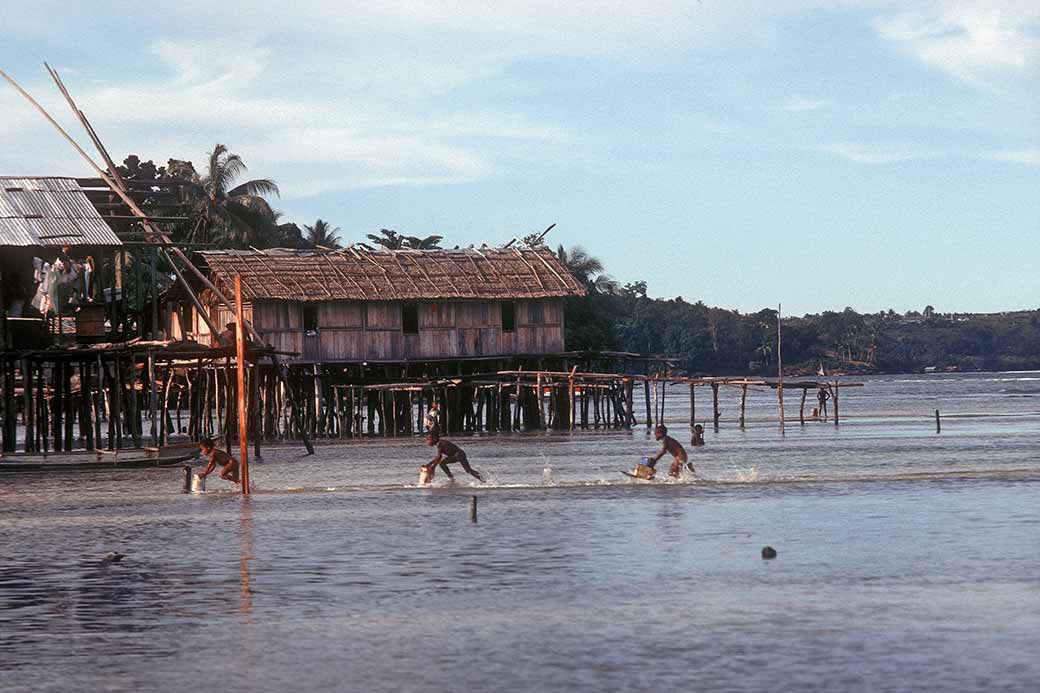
357	274
359	304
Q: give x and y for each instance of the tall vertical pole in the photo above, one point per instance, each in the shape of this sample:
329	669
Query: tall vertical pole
779	366
243	421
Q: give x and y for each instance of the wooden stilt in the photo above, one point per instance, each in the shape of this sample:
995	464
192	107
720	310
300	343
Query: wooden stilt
693	407
780	366
646	399
835	398
743	402
240	358
715	405
29	405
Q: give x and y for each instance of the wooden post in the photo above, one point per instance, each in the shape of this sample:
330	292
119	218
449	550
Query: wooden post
801	409
10	423
835	398
715	405
254	400
473	509
570	387
938	424
41	403
630	410
657	402
693	407
646	400
30	413
743	401
779	366
240	355
57	411
153	393
134	415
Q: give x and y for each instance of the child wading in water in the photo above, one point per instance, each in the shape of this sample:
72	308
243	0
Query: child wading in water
216	456
671	446
447	453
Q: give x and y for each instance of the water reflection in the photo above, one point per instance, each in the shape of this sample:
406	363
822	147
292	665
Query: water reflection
245	532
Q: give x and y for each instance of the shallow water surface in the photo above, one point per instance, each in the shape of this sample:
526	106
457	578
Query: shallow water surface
906	561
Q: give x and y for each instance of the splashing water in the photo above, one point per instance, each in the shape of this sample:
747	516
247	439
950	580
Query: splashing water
747	476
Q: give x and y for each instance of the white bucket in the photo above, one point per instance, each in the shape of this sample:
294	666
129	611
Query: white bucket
198	483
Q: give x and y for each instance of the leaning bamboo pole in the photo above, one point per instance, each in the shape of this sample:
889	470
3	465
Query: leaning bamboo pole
240	355
779	366
119	188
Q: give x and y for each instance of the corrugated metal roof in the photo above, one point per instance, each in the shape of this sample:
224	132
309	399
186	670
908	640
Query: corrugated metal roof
49	211
394	275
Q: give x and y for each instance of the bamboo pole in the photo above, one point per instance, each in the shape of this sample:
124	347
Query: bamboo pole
715	405
240	355
570	391
30	413
693	407
835	398
743	402
780	366
646	401
119	188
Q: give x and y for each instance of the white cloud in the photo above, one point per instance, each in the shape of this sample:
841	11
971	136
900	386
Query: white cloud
1020	156
798	104
974	42
862	153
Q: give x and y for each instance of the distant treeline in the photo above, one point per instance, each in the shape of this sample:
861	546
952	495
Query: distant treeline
716	341
221	210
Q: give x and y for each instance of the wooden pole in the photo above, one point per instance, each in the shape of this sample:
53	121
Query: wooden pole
646	400
657	404
715	405
29	404
801	409
938	424
240	355
743	402
835	398
693	408
779	366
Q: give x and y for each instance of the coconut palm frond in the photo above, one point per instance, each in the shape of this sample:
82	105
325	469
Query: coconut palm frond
257	187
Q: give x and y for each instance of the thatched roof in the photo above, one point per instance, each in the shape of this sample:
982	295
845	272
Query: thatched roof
394	275
49	212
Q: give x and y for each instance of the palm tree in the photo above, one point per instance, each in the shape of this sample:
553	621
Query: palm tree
322	234
236	215
586	269
427	243
390	239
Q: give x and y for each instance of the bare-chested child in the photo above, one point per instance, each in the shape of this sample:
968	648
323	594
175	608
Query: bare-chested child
447	453
216	456
672	447
697	439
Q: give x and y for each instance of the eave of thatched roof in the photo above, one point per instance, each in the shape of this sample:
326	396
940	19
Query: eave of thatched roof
394	275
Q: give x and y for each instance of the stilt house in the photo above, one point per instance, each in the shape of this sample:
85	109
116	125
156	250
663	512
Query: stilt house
359	305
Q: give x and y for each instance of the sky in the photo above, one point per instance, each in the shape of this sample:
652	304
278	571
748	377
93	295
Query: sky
816	154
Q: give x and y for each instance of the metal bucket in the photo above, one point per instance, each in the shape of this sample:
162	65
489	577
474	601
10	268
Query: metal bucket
198	484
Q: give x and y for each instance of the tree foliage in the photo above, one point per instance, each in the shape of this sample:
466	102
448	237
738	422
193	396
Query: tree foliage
322	234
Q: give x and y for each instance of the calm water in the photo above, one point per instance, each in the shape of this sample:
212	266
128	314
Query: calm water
906	561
